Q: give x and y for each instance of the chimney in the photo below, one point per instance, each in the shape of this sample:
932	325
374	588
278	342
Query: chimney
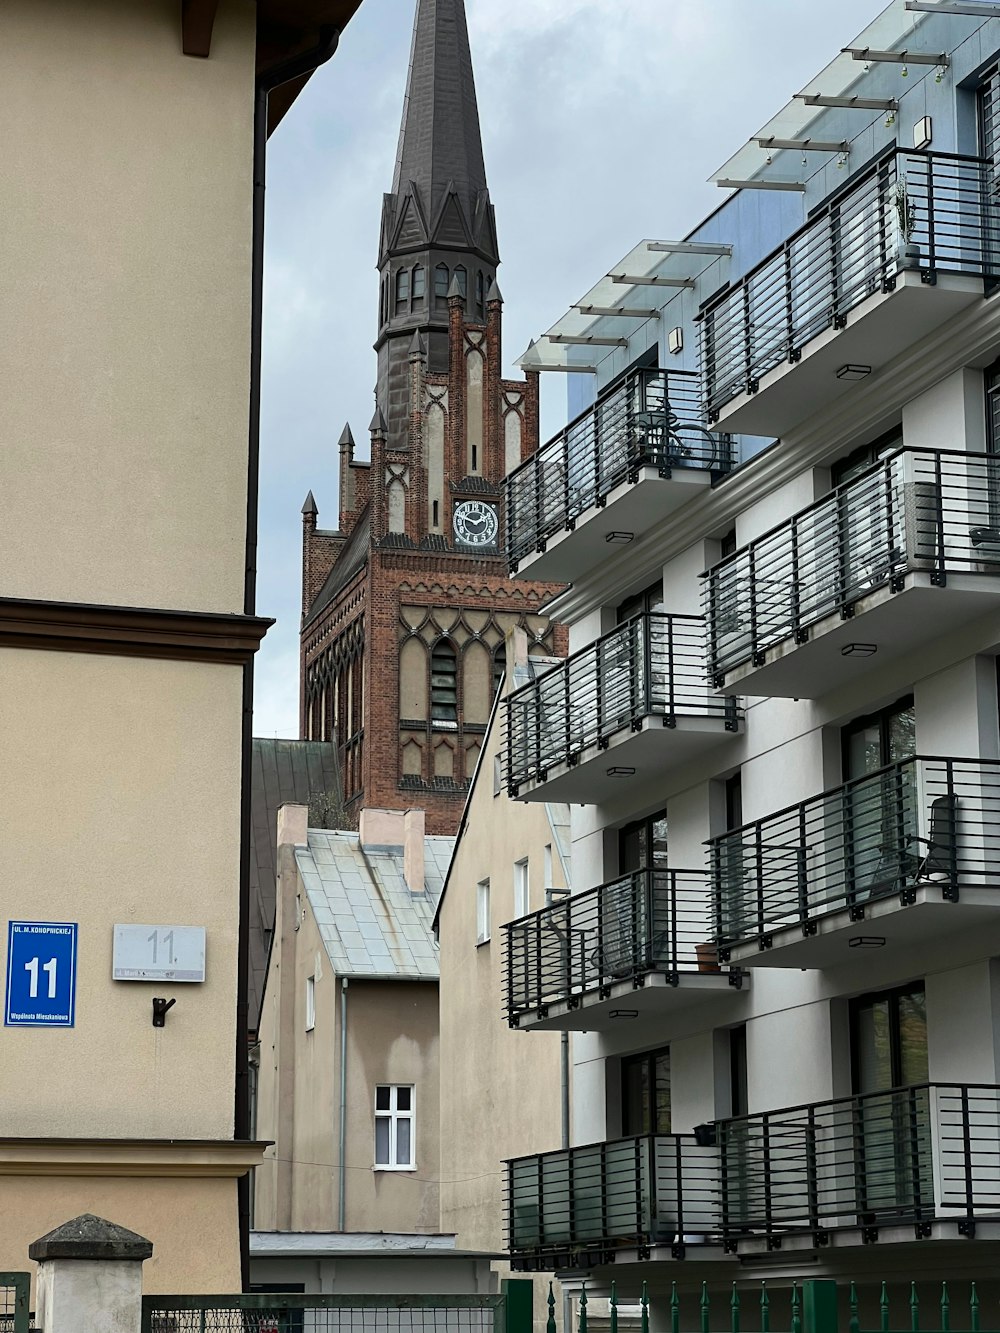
293	826
413	850
384	829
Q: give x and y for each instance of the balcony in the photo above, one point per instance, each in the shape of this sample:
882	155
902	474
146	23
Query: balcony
580	1206
910	1163
621	467
903	248
617	714
881	567
642	944
909	852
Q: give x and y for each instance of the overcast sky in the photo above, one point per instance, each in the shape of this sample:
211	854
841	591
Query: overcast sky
601	120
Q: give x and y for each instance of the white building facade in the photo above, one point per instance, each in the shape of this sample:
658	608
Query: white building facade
779	510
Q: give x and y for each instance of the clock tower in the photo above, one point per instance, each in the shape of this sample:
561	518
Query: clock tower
407	603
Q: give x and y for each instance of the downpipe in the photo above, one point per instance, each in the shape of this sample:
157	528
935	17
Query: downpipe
342	1127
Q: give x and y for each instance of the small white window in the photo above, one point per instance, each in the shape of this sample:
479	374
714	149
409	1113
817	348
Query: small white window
394	1127
310	1003
548	868
521	907
482	911
497	775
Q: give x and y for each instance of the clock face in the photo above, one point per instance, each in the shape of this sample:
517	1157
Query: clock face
476	523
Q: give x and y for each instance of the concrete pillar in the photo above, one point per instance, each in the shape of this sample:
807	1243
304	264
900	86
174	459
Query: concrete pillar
90	1277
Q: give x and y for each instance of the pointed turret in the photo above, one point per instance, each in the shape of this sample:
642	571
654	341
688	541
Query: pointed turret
310	509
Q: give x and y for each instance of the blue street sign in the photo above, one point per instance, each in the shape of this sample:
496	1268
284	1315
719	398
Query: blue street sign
41	974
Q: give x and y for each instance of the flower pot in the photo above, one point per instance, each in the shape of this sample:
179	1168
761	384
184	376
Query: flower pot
708	957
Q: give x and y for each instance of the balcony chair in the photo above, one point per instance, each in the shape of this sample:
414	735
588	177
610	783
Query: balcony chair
899	870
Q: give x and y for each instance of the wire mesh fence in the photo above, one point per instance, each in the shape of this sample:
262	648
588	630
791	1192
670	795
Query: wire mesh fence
285	1313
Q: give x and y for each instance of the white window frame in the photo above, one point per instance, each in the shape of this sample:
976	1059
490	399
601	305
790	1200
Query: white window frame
483	923
394	1116
310	1003
522	889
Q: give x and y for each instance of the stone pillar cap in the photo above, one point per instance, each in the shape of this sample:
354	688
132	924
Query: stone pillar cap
90	1237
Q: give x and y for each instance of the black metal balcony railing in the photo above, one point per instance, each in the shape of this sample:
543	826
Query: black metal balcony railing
922	822
653	920
654	418
630	1193
930	511
652	666
934	211
902	1157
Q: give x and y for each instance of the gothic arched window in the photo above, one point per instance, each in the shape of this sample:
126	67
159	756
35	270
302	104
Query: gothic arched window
444	682
419	283
499	665
480	290
402	291
441	283
463	281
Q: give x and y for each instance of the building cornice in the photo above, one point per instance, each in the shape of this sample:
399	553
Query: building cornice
969	339
192	1158
127	631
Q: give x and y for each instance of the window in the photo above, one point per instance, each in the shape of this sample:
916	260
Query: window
860	460
419	283
444	683
548	869
402	291
989	114
310	1003
441	283
482	911
394	1127
521	894
643	843
480	289
498	762
650	599
738	1070
463	281
646	1093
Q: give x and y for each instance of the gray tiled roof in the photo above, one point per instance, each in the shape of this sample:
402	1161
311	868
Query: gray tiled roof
371	924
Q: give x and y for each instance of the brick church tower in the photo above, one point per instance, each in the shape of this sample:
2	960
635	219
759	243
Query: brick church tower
406	605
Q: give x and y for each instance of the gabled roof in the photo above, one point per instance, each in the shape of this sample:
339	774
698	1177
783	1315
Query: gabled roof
351	558
371	924
281	773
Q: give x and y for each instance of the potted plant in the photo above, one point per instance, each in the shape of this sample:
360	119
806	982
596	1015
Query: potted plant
907	250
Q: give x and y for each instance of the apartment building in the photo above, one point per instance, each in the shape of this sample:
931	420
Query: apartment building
778	504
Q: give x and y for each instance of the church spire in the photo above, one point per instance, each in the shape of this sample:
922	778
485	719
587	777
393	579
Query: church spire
438	226
440	146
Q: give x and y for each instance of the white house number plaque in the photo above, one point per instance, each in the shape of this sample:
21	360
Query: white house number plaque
159	953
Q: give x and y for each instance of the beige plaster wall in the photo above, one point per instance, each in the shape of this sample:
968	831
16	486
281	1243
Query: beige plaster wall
124	328
193	1224
500	1088
392	1037
120	792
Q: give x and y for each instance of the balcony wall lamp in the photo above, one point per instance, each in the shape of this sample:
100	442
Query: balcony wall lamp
621	772
624	1013
866	942
619	538
852	372
859	650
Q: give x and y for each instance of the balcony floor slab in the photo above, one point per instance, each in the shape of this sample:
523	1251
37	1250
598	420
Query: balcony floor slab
655	997
930	917
632	507
650	752
877	331
896	623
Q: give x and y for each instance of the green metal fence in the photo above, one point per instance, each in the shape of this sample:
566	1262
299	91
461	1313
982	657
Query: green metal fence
15	1289
267	1312
817	1306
